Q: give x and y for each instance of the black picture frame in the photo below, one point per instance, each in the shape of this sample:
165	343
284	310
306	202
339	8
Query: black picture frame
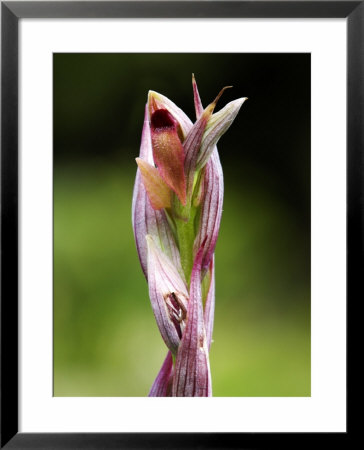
11	12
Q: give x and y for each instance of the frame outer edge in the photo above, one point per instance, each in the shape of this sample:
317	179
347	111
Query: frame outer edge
183	9
355	165
9	224
10	12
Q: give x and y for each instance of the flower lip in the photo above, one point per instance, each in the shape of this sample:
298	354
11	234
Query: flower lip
161	118
168	151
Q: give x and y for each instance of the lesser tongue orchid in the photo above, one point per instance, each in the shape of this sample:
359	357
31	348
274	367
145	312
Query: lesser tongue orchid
176	213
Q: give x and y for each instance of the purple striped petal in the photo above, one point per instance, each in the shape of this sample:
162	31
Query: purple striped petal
163	383
209	309
168	295
211	209
191	147
195	137
196	98
145	219
214	194
192	377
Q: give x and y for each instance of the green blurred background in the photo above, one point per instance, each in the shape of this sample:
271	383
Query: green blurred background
106	342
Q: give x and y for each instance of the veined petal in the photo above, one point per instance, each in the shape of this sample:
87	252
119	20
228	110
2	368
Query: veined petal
145	219
209	309
159	101
216	127
196	98
192	376
168	295
163	383
214	162
158	191
146	150
211	210
168	151
191	148
213	189
194	138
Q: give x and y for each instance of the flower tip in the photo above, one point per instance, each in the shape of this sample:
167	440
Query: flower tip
235	105
154	100
239	102
152	94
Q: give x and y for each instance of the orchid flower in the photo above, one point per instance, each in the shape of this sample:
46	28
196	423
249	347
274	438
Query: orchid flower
176	214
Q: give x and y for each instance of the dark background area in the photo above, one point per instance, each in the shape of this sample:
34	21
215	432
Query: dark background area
105	338
99	102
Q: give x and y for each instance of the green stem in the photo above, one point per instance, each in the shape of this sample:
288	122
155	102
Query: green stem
186	237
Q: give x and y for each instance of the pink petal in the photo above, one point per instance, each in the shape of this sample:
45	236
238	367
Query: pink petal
163	383
195	137
211	209
145	219
192	376
209	309
196	98
191	147
168	295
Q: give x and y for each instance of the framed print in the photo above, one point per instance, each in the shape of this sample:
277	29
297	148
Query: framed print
80	349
